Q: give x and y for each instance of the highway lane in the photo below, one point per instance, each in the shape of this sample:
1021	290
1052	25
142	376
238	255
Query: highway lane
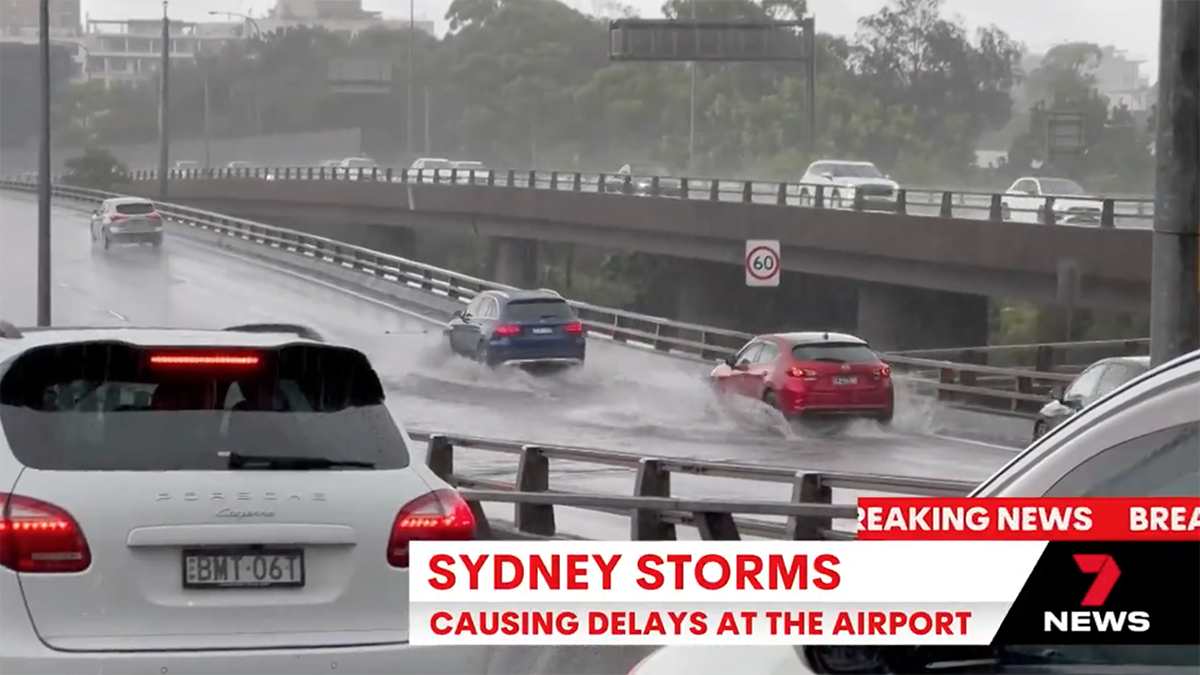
623	400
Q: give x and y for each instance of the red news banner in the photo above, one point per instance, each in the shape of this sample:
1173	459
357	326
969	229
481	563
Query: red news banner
1041	519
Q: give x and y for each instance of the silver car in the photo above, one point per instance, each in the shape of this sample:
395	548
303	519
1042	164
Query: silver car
127	220
204	501
1141	440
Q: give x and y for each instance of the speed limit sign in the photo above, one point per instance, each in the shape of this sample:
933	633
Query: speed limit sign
762	262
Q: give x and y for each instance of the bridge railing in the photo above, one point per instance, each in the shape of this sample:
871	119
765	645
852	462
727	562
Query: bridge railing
1106	211
1015	389
1064	357
653	510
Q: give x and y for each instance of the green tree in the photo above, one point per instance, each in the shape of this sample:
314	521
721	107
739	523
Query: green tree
96	168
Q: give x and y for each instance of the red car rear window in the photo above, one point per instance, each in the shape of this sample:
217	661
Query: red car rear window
841	352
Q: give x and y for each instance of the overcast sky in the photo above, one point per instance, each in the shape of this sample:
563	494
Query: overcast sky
1131	25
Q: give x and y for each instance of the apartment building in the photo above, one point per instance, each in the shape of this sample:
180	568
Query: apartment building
346	17
19	18
129	51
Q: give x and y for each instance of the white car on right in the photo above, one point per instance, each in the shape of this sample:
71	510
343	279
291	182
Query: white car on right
1141	440
842	180
1025	202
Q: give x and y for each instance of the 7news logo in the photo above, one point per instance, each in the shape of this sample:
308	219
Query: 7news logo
1097	620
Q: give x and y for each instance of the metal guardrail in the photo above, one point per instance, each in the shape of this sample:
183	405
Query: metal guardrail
1068	357
653	511
1014	390
1106	212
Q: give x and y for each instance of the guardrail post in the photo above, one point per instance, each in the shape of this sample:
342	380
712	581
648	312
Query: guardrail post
781	194
819	198
1044	358
809	489
310	173
655	186
748	191
627	184
947	210
716	526
512	177
902	201
387	174
533	475
1108	216
652	481
553	180
491	178
439	457
577	182
714	190
532	184
600	183
1048	211
859	201
995	212
683	187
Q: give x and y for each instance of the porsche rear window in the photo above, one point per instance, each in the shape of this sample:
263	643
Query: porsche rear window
106	406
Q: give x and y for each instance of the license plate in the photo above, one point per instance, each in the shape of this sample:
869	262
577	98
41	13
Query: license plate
543	331
243	568
845	380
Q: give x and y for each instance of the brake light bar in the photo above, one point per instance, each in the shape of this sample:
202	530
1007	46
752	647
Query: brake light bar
204	359
506	330
885	371
573	328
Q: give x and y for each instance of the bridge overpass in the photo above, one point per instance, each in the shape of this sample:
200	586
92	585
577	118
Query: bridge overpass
919	278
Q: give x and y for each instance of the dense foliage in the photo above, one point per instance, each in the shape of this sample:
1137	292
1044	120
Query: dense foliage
96	168
521	83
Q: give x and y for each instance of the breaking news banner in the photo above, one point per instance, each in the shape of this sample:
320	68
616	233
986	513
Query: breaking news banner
1018	573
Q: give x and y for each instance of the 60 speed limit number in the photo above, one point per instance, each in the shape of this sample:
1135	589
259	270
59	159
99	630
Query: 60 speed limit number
762	262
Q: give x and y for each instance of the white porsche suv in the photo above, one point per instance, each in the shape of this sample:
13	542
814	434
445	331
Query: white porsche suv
204	501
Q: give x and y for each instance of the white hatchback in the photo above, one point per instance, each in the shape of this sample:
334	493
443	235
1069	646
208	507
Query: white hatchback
203	501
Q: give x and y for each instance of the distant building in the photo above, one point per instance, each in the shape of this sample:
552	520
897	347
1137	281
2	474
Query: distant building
1118	77
345	17
20	85
20	18
130	51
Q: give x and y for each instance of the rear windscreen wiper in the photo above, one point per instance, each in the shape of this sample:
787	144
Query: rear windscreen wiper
290	463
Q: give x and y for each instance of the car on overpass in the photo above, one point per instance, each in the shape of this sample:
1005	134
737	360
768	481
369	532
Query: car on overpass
641	177
531	329
1142	439
824	378
183	500
126	220
1026	199
1095	382
844	181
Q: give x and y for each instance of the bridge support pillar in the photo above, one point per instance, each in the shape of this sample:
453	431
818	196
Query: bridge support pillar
894	318
513	262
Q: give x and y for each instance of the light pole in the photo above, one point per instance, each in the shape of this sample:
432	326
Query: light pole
692	116
257	68
1175	266
412	35
43	239
164	133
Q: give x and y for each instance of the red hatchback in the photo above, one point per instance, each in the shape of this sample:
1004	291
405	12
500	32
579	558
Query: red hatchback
810	375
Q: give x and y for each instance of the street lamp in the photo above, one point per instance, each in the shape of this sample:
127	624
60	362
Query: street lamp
43	202
258	68
164	99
